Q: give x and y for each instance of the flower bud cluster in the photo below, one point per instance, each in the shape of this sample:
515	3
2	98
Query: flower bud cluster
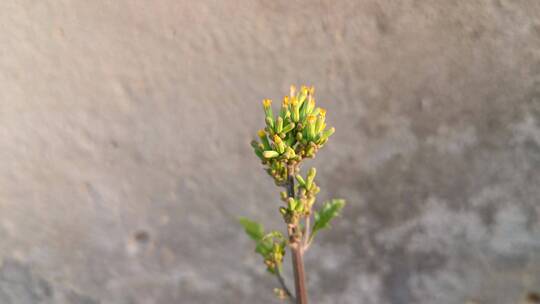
272	249
300	206
297	132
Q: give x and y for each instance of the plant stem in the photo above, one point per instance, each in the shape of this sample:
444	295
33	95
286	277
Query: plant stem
296	246
284	285
306	233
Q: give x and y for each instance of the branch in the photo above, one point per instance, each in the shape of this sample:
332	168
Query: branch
307	233
284	286
295	246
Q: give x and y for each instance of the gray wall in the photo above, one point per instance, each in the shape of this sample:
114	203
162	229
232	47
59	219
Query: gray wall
125	157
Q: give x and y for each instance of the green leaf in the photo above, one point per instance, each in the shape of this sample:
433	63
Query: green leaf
253	229
274	235
264	247
269	242
323	218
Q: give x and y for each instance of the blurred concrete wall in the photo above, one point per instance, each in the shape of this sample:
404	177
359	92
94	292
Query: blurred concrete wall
125	157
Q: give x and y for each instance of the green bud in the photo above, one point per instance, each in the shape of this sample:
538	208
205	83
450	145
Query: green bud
311	120
326	134
290	152
303	111
287	154
280	146
269	122
300	180
279	125
288	128
264	139
292	203
299	136
283	195
316	111
285	108
287	115
270	154
310	177
302	95
299	206
295	109
283	210
310	152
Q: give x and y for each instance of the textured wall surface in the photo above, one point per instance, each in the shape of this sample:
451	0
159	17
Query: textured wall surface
125	157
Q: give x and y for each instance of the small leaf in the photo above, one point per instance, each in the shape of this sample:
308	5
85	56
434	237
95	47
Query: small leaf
326	214
264	247
273	242
274	235
253	229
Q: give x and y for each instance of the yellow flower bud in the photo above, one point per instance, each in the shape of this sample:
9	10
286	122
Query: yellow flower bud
286	102
311	126
295	109
292	90
267	103
280	146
